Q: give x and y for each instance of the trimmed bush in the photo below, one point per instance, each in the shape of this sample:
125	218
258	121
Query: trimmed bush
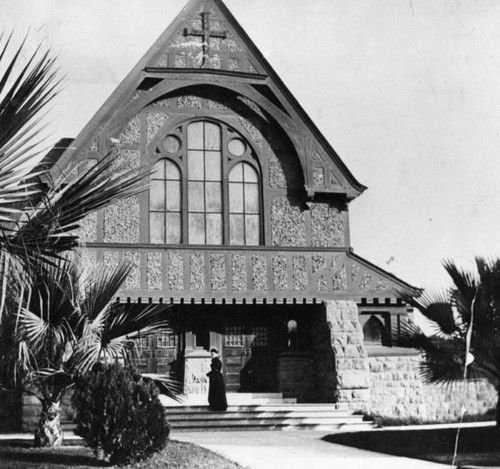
119	415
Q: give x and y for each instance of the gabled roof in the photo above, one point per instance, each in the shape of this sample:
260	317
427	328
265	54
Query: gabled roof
206	42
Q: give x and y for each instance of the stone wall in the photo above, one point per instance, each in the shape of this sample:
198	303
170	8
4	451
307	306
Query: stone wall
397	391
325	375
31	409
341	376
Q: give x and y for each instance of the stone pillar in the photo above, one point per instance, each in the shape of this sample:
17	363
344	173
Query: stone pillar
351	360
196	367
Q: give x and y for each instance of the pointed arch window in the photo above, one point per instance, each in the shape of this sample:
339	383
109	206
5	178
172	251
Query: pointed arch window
165	203
205	188
244	205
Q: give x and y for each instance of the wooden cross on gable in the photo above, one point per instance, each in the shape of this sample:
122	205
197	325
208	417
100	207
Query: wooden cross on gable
206	33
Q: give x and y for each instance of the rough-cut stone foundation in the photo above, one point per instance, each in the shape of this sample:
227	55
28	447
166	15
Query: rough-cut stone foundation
31	410
397	391
340	360
350	355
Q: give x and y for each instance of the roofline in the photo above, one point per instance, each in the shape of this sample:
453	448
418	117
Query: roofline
136	74
302	113
404	286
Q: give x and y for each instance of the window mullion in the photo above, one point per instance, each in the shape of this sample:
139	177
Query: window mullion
225	188
243	208
184	190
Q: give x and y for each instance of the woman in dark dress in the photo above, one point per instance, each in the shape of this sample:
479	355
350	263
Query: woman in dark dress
217	388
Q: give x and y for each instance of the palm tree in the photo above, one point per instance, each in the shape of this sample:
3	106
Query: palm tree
70	323
465	343
39	216
50	329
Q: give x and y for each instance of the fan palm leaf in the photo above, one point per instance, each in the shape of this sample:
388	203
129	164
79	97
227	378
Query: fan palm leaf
444	356
50	228
101	288
22	97
466	339
437	307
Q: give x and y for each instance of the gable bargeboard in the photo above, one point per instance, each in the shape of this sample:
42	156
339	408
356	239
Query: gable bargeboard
204	66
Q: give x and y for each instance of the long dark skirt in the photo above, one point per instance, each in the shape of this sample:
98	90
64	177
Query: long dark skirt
217	391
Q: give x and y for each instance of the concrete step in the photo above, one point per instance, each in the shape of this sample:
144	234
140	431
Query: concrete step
266	417
265	420
233	398
212	416
285	408
257	411
279	427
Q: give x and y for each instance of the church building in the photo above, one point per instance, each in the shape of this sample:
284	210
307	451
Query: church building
244	230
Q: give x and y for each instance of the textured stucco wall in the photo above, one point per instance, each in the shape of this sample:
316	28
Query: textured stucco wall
281	171
287	223
327	225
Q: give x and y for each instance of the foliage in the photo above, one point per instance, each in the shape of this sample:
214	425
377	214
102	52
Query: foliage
39	214
119	413
71	322
465	320
55	323
23	96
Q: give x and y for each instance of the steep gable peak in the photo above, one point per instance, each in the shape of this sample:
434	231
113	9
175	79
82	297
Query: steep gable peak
204	36
206	46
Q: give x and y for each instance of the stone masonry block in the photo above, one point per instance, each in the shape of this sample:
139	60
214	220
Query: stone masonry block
354	380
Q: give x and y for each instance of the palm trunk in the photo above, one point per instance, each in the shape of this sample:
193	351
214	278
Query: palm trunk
49	432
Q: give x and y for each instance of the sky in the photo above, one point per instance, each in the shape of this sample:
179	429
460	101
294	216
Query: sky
407	92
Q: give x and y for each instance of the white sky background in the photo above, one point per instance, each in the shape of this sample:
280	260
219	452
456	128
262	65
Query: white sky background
407	92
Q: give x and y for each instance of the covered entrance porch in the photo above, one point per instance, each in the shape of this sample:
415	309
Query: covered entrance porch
267	351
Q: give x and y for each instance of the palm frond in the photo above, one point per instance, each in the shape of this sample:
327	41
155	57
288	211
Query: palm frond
436	306
22	98
50	228
131	320
167	385
489	274
101	288
465	285
443	357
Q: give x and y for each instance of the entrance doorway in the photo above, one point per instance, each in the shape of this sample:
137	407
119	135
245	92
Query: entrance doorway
249	358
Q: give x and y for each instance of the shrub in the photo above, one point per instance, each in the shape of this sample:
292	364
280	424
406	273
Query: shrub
119	415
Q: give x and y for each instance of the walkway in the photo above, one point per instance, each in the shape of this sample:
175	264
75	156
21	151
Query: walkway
295	450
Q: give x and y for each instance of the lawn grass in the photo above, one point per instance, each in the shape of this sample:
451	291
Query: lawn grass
477	445
176	455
